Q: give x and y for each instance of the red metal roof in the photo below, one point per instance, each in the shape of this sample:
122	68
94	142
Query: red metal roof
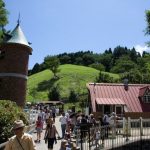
142	90
116	91
110	101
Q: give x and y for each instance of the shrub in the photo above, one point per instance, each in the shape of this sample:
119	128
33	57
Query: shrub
9	112
54	94
72	96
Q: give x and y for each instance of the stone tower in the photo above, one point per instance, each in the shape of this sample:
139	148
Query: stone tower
14	56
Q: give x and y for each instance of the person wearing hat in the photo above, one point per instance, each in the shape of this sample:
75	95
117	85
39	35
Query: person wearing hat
113	122
112	118
106	123
21	140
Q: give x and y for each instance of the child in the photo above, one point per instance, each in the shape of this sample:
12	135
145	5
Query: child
97	137
39	128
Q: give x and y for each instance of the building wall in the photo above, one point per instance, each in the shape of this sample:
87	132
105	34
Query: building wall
15	58
14	61
137	115
12	88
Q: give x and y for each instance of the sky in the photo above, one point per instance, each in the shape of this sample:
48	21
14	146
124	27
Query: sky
57	26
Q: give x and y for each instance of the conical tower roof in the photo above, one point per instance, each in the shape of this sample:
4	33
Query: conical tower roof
17	36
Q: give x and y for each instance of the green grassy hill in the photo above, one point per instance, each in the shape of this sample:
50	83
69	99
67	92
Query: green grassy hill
70	77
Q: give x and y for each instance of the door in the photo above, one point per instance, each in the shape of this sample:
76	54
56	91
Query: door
119	110
107	109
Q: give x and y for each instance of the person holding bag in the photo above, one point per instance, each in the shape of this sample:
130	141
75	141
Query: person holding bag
21	140
50	134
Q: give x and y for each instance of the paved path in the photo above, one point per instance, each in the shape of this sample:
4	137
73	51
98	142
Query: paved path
42	145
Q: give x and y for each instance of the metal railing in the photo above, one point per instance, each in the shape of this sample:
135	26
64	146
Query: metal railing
133	134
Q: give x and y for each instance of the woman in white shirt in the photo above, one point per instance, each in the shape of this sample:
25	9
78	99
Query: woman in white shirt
63	121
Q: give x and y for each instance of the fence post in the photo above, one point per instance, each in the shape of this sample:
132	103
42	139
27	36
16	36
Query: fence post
126	130
129	126
114	128
89	138
78	137
124	126
141	126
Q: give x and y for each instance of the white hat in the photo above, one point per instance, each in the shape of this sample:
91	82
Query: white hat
18	124
113	114
91	115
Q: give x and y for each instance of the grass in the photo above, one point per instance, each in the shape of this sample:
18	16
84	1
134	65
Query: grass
71	77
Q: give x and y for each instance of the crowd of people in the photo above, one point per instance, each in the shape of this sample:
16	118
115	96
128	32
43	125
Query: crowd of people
69	121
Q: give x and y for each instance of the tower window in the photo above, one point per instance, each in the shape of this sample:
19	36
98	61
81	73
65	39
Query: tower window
2	54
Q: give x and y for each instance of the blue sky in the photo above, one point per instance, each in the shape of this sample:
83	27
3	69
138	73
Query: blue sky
57	26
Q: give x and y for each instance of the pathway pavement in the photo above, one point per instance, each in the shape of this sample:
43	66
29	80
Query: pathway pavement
42	145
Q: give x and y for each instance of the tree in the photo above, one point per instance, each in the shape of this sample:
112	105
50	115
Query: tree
33	93
106	60
72	96
123	64
52	63
147	31
3	19
119	51
104	78
35	69
98	66
108	51
54	94
146	78
65	59
79	61
88	59
134	76
134	55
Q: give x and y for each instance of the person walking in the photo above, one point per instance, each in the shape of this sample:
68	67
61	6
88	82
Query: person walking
53	113
47	115
113	120
106	124
39	128
63	121
42	114
50	134
21	140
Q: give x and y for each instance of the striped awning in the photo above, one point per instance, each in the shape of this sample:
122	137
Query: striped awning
110	101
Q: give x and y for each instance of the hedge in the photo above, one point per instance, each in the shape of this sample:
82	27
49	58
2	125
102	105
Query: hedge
9	112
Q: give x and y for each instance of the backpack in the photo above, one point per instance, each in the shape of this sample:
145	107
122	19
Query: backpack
104	118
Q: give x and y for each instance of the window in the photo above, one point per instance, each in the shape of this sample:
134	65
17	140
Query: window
146	97
2	54
119	110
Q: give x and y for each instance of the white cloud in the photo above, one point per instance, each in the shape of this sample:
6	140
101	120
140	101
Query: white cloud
141	48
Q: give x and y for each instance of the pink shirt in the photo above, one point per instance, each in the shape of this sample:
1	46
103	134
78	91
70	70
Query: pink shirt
39	124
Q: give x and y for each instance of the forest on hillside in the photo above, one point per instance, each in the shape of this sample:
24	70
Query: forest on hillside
123	61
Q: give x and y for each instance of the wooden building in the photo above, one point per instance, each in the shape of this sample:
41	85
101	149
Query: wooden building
133	99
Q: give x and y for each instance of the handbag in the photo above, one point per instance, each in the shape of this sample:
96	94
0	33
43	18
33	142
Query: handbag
46	137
